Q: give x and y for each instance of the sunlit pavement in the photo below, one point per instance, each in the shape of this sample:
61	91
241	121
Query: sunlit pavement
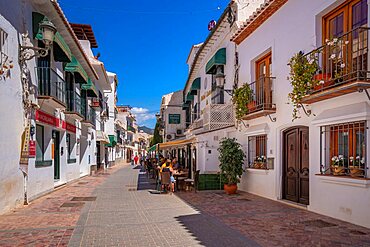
116	208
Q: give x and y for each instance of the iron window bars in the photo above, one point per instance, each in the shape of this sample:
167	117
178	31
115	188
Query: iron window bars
343	149
257	146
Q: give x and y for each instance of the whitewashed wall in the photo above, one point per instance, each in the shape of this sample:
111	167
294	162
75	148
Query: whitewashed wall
301	30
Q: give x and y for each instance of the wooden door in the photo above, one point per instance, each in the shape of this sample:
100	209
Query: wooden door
296	165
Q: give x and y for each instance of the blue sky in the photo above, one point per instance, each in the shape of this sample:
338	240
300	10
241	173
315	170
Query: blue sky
145	43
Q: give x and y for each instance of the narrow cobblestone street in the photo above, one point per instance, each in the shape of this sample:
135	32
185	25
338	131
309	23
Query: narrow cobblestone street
115	208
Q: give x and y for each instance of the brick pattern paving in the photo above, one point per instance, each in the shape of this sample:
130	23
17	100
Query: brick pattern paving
44	222
271	223
122	212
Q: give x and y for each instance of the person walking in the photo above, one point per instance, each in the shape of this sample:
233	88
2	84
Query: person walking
136	158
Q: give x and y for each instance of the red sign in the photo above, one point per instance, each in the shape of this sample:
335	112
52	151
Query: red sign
46	118
51	120
32	149
211	25
70	127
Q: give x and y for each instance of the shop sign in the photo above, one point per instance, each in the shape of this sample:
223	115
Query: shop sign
32	149
70	127
174	118
51	120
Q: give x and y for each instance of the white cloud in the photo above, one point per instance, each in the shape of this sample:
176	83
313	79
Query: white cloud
142	115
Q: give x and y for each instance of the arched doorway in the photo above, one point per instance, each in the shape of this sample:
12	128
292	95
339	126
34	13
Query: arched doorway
296	165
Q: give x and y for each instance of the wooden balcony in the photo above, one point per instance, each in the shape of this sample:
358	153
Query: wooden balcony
343	67
261	103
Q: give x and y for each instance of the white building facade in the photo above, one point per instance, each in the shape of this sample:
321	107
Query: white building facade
47	87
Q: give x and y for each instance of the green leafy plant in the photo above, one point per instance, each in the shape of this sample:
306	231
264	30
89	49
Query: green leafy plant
302	71
231	160
241	97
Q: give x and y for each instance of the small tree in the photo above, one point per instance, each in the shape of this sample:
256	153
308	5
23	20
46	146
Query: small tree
231	160
157	138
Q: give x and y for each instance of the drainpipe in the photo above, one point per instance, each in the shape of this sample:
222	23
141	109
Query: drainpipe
25	178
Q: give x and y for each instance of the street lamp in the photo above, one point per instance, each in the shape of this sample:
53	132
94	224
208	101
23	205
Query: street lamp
48	32
220	80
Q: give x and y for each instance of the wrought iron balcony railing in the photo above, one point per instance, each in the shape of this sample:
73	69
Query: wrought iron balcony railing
87	112
343	66
261	98
51	84
74	102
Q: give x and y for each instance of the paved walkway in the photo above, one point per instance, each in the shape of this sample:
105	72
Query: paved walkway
116	209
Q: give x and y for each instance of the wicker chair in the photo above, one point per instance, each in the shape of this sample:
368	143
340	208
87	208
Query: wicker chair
166	180
193	182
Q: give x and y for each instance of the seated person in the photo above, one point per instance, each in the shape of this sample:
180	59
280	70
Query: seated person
175	164
166	167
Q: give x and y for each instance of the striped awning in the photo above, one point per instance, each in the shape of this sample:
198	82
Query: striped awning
175	144
218	59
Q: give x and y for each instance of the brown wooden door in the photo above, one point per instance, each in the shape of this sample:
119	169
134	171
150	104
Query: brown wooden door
296	165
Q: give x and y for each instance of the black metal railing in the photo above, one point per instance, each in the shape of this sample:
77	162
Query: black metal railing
341	60
87	112
51	84
74	102
261	95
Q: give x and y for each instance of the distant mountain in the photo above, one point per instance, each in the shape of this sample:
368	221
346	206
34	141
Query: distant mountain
146	130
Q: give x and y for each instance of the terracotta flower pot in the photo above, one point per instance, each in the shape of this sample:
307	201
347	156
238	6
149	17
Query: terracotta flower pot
230	189
338	170
323	77
251	105
355	171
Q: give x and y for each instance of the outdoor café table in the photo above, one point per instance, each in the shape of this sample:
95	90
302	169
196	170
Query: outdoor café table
179	176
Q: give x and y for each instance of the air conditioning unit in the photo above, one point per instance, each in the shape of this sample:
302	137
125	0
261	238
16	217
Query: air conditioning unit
179	132
170	136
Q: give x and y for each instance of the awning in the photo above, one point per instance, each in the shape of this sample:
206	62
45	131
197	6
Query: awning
90	89
152	148
62	52
189	97
102	137
75	67
195	86
177	143
218	59
112	141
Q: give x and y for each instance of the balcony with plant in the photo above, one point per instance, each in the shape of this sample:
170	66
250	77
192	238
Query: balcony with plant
337	68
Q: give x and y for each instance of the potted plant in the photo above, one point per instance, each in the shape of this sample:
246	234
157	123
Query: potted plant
302	71
357	166
231	163
337	165
241	97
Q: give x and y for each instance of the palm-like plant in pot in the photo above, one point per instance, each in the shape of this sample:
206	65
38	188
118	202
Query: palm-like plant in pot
231	163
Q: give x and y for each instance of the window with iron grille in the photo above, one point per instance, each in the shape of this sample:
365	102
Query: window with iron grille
343	149
257	146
